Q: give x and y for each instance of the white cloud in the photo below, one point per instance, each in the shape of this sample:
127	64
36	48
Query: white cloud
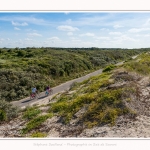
54	38
67	28
115	33
1	39
138	35
70	33
147	22
87	44
117	26
104	29
97	20
27	39
125	38
66	12
142	35
34	34
76	40
19	24
147	35
31	30
73	38
16	28
102	38
87	34
135	30
69	21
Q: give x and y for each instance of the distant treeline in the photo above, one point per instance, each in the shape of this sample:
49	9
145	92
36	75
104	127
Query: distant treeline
83	48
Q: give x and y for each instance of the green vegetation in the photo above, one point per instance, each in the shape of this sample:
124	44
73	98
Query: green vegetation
99	98
38	134
31	112
141	65
109	68
21	69
3	115
35	123
106	108
103	105
74	85
7	111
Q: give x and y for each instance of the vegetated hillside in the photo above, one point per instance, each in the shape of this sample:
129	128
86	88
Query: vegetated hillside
21	69
115	100
141	65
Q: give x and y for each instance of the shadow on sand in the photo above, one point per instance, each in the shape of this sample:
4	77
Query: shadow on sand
27	101
42	97
39	97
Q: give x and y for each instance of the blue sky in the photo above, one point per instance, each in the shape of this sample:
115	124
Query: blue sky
75	29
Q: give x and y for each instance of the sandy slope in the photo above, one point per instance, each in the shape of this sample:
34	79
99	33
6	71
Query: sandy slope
138	127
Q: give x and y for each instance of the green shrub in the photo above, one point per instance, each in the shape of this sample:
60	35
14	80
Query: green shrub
35	123
106	107
67	108
141	66
21	53
59	107
31	112
108	68
38	134
3	116
9	110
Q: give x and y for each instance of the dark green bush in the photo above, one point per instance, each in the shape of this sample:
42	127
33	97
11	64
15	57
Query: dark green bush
8	109
38	135
35	123
108	68
21	53
3	116
31	112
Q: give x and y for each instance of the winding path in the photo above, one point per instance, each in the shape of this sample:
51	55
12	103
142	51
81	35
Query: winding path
65	86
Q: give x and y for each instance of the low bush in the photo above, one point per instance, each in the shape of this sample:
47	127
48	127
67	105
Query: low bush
3	115
31	112
38	135
35	123
108	68
107	107
8	111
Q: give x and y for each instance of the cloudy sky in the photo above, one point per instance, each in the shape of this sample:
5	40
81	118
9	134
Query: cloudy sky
75	29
